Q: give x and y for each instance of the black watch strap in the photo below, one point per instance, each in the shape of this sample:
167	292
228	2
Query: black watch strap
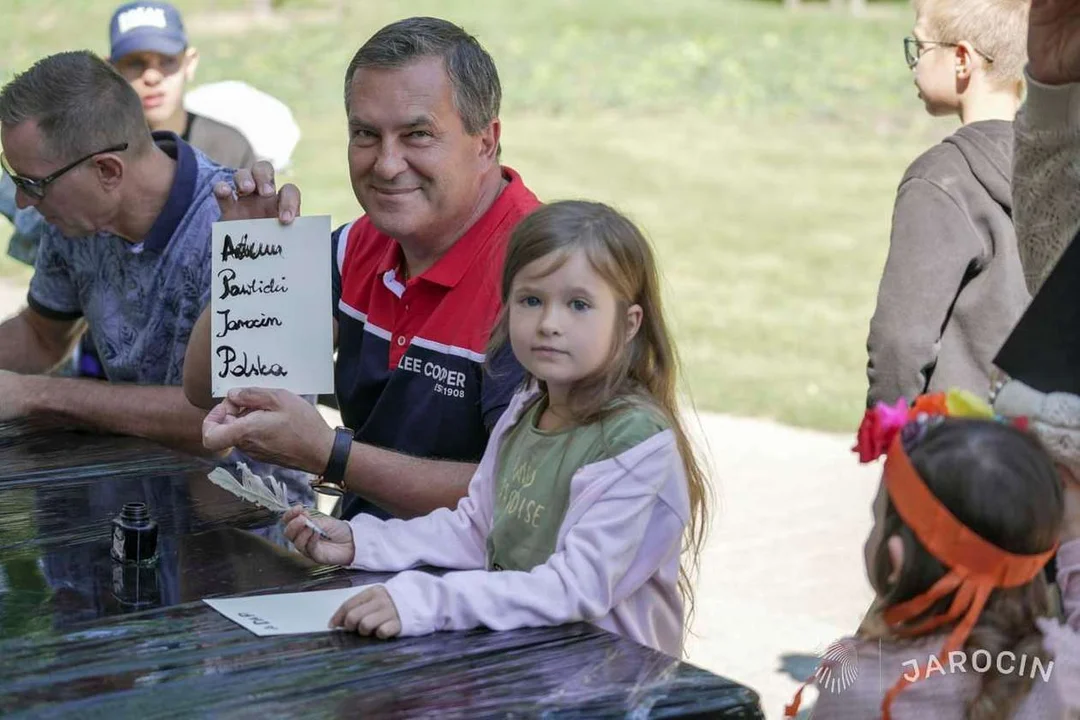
339	456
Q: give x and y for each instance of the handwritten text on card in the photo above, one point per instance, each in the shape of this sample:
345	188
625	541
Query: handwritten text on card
270	303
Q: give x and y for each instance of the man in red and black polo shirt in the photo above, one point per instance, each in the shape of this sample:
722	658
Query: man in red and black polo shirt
416	282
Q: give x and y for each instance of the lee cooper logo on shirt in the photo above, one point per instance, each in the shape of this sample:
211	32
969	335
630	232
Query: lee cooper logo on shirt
447	382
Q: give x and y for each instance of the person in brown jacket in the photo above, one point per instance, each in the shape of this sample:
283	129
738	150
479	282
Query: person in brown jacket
953	287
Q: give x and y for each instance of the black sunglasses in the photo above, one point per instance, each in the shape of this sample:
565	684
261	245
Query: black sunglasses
36	188
914	49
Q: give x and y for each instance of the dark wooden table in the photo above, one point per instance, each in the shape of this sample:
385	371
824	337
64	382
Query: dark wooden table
80	636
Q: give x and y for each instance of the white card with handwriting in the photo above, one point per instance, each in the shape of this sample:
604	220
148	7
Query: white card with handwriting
270	303
285	613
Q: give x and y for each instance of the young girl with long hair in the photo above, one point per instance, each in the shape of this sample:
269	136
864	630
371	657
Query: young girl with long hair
589	503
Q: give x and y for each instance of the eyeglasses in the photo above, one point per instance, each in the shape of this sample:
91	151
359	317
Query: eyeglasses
36	188
914	49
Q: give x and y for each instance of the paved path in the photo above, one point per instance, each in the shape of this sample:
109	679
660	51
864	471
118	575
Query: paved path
782	572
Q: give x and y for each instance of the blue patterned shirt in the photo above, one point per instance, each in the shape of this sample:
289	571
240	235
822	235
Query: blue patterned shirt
139	300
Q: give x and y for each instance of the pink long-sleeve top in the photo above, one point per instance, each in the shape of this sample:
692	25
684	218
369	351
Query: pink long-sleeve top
616	560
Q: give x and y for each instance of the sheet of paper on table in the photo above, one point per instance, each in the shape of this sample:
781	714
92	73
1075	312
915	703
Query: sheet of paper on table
284	613
271	314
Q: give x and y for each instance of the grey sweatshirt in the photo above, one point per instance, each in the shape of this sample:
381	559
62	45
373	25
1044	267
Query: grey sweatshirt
953	287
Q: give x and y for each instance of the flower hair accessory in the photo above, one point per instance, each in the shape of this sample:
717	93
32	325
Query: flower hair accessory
882	422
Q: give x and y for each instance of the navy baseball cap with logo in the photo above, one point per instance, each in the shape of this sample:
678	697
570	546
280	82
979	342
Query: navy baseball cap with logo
146	27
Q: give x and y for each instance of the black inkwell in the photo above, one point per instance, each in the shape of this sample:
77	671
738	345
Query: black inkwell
136	586
134	535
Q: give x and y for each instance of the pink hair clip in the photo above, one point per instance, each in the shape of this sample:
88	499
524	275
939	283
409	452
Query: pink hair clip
878	428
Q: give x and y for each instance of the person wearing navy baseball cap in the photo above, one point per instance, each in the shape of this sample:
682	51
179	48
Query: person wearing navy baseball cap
149	47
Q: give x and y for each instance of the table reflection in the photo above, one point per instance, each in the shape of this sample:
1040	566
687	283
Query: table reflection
56	570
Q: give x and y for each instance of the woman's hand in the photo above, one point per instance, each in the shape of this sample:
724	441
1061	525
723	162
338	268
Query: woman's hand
1054	41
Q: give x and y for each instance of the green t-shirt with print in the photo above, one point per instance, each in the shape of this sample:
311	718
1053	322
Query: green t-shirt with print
532	481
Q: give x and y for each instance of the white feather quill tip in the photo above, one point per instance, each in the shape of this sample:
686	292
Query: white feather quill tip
269	493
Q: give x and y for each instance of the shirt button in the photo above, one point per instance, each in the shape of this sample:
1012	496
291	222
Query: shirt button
401	340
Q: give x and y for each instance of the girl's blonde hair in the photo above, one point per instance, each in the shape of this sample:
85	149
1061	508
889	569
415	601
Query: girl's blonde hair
645	367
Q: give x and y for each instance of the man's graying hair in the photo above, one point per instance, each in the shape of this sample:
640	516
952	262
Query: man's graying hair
80	104
472	73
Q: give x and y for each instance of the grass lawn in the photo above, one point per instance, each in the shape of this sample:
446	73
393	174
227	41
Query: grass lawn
759	148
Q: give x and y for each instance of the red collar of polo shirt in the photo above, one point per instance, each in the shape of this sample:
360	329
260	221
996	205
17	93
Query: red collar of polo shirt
450	268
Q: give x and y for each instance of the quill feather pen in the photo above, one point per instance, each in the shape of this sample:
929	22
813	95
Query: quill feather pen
270	493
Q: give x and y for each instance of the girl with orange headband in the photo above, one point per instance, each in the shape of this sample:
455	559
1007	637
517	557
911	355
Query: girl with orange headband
969	511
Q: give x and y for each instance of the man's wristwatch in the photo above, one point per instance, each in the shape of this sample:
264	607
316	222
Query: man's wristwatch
332	481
